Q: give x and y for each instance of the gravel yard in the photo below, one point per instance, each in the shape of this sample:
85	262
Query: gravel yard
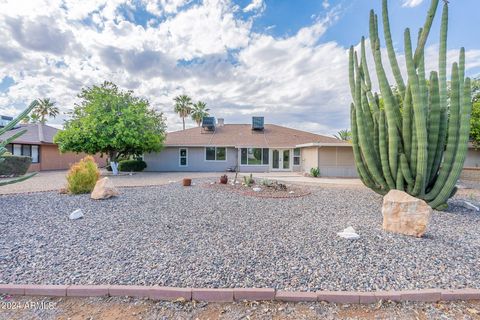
199	237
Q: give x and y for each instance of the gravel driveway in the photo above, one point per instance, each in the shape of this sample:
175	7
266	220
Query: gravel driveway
173	236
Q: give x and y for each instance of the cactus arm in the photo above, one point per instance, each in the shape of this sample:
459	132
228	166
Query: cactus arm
351	74
452	140
400	181
384	150
391	51
433	122
407	122
419	52
12	138
25	177
419	119
22	115
461	153
406	170
442	58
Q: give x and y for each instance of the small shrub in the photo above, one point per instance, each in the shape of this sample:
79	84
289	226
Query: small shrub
14	166
266	183
82	176
248	181
132	165
315	172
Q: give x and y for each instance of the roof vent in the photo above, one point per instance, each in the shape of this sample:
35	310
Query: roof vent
208	123
257	123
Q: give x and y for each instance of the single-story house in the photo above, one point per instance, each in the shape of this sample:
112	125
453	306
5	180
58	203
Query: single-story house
37	143
253	148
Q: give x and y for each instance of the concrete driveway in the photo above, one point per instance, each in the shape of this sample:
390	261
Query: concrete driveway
55	180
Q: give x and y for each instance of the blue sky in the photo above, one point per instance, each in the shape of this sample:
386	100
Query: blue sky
279	58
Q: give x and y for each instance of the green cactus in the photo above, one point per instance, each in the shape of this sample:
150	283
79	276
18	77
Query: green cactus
418	141
3	143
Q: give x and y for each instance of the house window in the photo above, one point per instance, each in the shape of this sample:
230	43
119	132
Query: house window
17	150
34	154
183	159
9	148
296	156
215	154
254	156
25	150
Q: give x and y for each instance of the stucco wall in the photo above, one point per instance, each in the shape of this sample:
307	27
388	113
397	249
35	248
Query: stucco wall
336	162
473	159
309	158
168	160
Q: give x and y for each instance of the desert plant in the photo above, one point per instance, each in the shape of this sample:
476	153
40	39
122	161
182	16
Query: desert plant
266	183
14	166
315	172
82	176
45	108
401	145
345	135
132	165
199	111
248	181
183	106
3	143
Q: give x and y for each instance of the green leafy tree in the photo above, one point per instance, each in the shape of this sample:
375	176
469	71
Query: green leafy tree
45	108
475	124
345	135
3	143
183	106
113	122
199	111
32	118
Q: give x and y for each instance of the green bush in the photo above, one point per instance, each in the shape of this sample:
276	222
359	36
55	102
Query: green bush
131	165
315	172
14	166
82	176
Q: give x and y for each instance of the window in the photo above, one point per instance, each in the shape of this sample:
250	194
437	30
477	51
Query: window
254	156
183	159
9	148
215	154
17	149
34	154
296	157
25	150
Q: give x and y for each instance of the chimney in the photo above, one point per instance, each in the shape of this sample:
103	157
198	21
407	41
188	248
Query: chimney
220	122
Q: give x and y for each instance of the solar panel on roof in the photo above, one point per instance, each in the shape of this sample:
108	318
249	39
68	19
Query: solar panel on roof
257	123
208	123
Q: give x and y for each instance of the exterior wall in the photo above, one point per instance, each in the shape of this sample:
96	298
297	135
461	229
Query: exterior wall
336	162
309	158
168	160
473	159
52	159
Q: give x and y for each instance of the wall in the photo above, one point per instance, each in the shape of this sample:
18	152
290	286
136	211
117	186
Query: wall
473	159
336	162
52	159
309	158
168	160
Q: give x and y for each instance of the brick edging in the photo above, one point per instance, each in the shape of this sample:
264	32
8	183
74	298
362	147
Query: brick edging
237	294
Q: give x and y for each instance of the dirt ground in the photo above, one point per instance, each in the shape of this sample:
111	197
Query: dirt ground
129	308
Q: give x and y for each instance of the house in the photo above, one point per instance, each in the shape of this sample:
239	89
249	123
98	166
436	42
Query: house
255	147
37	143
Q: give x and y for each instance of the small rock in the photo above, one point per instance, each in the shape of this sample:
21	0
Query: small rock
471	206
349	233
257	189
291	192
77	214
104	189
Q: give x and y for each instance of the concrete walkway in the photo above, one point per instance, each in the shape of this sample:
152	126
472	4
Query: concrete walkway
55	180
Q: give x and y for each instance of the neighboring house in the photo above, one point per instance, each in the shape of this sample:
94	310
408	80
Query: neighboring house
37	143
253	148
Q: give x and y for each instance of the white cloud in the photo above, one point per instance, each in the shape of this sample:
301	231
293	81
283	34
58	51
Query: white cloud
325	4
411	3
255	5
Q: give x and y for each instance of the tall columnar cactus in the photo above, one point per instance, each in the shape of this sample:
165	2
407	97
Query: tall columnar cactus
416	141
3	143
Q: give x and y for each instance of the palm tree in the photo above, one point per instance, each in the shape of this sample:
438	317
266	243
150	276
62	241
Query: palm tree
345	135
199	111
183	106
45	108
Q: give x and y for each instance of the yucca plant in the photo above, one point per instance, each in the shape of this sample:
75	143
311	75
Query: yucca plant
415	141
3	143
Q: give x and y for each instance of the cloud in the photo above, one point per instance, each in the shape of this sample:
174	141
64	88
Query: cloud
325	4
255	5
9	55
411	3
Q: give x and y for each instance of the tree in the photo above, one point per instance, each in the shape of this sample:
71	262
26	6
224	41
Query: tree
45	108
3	143
113	122
183	106
344	135
32	118
199	111
475	124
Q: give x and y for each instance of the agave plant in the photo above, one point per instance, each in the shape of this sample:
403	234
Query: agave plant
3	143
417	140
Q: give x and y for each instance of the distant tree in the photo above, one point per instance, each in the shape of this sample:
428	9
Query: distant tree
345	135
183	106
32	118
199	111
45	108
475	124
113	122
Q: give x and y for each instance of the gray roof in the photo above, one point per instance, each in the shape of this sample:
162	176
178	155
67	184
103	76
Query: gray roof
36	134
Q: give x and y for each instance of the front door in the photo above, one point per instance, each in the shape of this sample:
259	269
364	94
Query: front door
280	160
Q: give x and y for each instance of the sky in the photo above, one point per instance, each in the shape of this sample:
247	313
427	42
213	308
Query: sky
282	59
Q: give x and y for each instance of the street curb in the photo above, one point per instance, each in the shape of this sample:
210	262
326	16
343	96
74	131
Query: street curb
237	294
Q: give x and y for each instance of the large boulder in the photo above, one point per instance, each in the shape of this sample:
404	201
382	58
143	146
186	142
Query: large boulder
104	189
405	214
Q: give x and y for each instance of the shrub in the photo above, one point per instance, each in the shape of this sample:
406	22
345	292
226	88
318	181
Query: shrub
248	181
315	172
82	176
14	166
132	165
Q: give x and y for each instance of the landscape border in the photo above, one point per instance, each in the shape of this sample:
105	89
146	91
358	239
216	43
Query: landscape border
237	294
